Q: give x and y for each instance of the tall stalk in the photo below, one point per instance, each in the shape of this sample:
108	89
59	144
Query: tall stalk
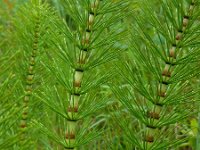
28	90
29	27
156	113
158	76
83	46
78	73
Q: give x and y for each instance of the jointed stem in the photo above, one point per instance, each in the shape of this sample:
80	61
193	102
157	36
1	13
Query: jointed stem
29	83
78	77
155	114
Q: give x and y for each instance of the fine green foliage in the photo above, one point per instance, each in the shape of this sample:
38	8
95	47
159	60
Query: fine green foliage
82	49
162	63
99	74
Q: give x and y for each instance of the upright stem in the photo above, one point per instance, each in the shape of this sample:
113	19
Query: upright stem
78	77
29	83
163	86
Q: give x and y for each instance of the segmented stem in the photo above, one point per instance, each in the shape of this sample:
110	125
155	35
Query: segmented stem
29	82
167	71
78	76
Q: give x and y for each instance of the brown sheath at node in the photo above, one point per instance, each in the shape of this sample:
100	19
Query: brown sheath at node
172	53
166	73
77	84
153	115
85	41
72	109
70	136
23	124
185	21
179	36
149	139
161	94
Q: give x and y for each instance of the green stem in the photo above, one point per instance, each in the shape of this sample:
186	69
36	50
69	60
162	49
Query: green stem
155	114
29	84
78	78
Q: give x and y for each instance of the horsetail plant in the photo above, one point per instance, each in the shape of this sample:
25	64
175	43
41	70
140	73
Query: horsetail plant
165	63
99	74
29	26
83	47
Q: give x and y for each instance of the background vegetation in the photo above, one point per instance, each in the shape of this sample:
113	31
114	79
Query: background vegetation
99	74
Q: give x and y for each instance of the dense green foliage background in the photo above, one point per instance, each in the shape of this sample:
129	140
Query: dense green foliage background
99	74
